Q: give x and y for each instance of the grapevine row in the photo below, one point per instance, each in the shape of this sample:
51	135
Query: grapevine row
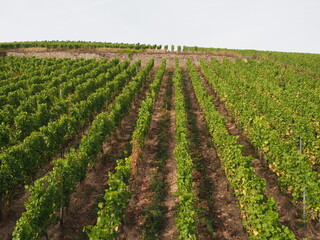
259	212
186	219
27	96
290	104
49	105
293	169
75	45
22	161
52	191
116	197
32	77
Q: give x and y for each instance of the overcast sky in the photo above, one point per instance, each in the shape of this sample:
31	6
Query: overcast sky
279	25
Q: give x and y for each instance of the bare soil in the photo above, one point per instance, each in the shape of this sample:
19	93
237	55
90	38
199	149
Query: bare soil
143	197
134	217
290	215
144	56
170	231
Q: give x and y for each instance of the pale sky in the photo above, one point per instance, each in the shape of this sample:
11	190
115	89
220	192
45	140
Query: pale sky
277	25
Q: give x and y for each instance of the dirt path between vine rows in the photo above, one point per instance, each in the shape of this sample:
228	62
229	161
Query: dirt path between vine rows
84	201
220	217
170	230
290	214
142	197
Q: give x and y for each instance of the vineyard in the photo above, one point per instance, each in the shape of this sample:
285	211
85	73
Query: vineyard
134	141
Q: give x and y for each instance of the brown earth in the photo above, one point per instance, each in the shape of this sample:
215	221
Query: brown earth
170	231
145	56
134	217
